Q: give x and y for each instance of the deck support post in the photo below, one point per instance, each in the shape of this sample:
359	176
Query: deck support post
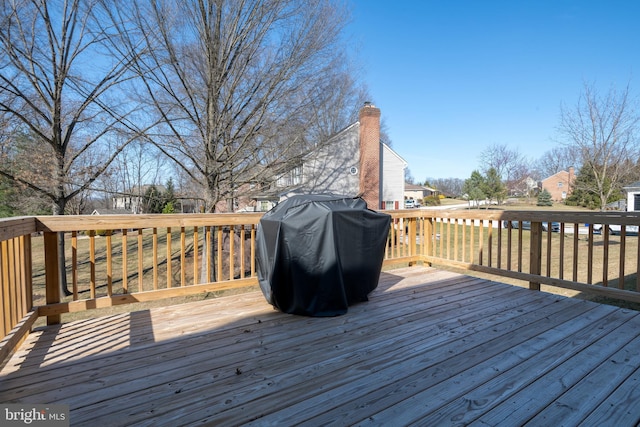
52	284
535	260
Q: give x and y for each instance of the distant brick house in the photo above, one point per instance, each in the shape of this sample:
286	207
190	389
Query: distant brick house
559	184
352	162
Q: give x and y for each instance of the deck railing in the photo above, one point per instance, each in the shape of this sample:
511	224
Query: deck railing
559	248
112	260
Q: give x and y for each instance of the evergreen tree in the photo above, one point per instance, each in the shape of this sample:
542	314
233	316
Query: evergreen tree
168	208
474	187
544	198
584	192
169	198
493	186
153	200
5	195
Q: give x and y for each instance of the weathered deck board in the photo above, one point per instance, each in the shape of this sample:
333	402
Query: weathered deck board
430	348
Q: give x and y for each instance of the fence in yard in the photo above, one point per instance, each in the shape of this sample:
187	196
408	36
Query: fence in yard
112	260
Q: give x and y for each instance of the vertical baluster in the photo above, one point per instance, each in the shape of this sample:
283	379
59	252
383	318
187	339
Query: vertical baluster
219	255
575	252
481	242
74	264
242	249
605	232
232	255
253	250
169	273
109	263
140	261
196	252
561	249
549	248
207	253
490	243
92	263
183	259
623	251
125	262
155	258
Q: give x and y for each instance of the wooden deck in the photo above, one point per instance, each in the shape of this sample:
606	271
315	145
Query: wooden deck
430	348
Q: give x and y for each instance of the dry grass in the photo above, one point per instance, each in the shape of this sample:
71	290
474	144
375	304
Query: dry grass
603	270
131	278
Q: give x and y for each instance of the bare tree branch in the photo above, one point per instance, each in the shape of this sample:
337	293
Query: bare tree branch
236	84
602	130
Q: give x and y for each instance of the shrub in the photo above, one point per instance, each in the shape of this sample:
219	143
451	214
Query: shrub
544	199
431	201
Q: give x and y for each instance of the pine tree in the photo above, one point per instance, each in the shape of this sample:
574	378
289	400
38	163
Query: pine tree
169	198
585	191
493	186
473	188
544	198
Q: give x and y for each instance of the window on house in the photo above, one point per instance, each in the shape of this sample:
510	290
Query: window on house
291	178
560	184
296	176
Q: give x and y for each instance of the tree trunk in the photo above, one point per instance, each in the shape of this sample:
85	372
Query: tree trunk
58	209
62	266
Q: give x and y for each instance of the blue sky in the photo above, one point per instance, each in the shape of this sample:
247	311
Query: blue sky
454	77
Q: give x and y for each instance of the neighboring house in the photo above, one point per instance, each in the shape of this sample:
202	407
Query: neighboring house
417	192
522	187
352	162
100	211
633	196
559	184
134	200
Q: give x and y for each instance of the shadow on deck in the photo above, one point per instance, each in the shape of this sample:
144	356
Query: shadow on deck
431	347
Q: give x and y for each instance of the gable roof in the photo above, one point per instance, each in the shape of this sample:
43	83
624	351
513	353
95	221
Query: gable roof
414	187
560	174
101	211
385	146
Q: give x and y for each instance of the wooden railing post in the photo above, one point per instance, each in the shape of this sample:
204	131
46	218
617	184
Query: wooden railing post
535	247
52	283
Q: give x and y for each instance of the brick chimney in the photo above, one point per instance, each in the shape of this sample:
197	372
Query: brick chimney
370	165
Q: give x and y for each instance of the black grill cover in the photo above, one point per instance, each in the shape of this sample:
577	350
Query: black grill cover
318	254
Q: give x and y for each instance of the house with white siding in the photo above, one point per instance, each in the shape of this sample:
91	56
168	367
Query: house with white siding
352	162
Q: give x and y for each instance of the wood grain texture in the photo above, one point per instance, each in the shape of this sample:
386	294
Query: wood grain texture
430	347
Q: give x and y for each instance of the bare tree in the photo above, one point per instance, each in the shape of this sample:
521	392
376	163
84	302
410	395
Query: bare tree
238	83
61	98
504	160
408	176
508	163
557	159
139	164
451	187
602	130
